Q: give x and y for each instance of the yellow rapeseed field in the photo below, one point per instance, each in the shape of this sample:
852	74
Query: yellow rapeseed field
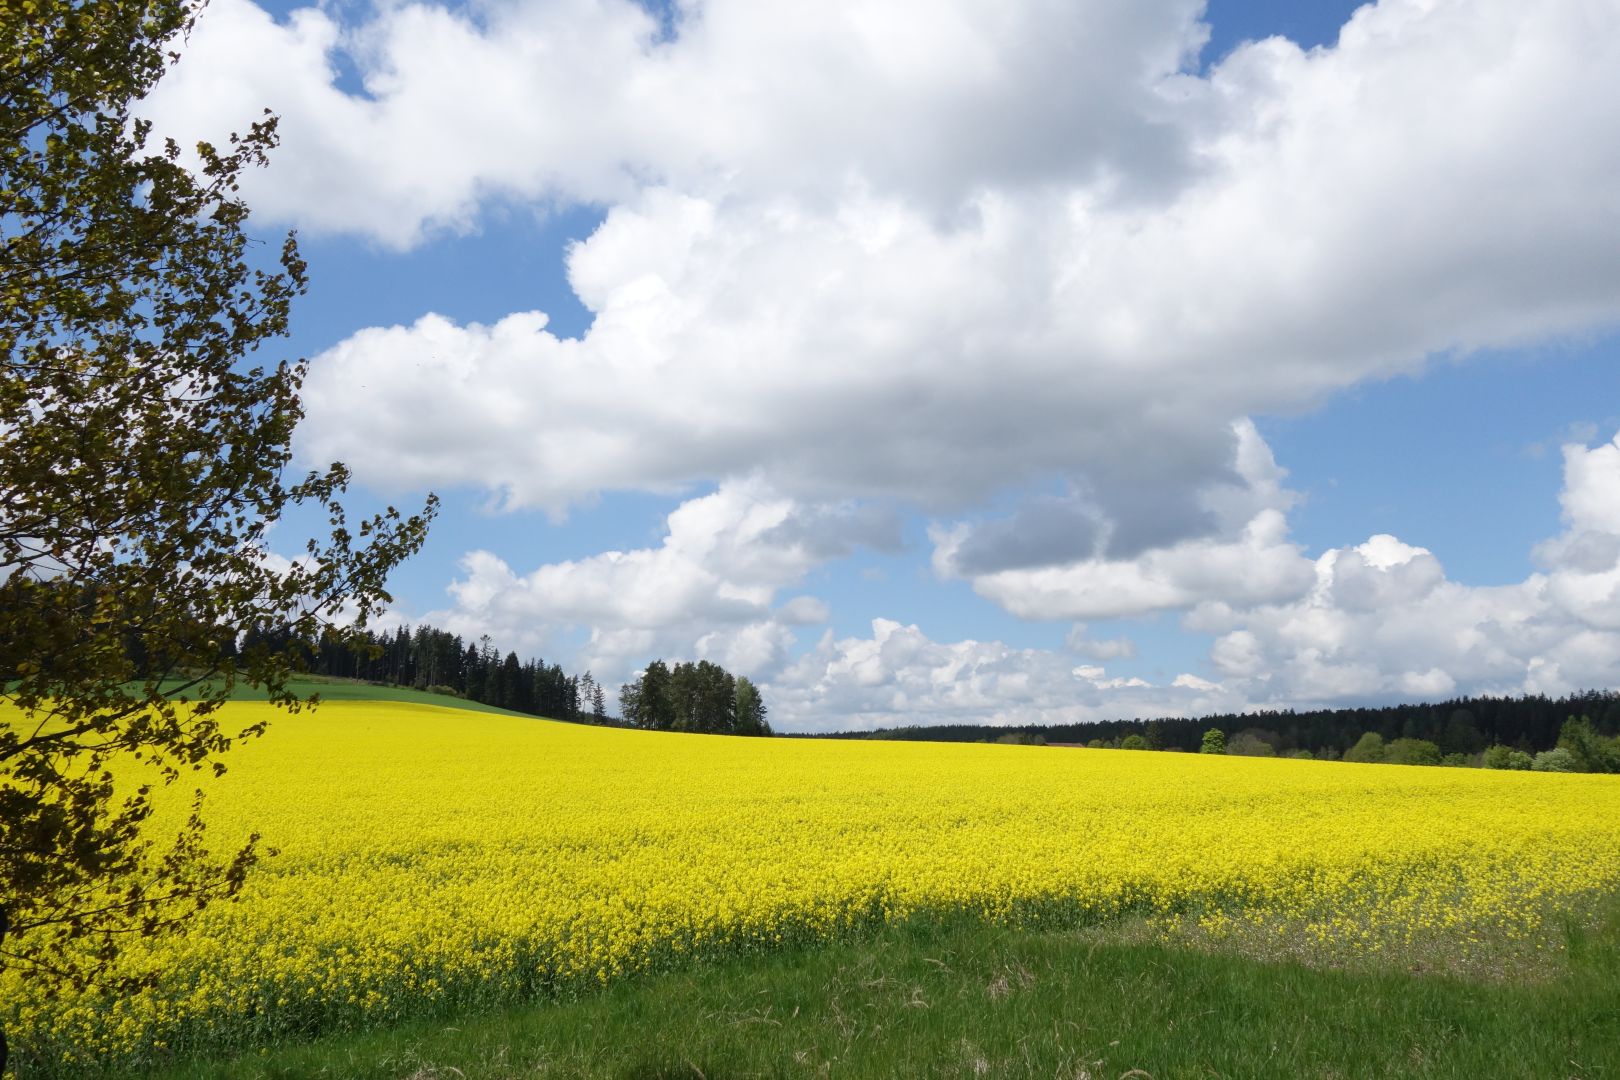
436	858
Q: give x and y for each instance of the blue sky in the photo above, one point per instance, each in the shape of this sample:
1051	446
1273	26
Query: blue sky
929	364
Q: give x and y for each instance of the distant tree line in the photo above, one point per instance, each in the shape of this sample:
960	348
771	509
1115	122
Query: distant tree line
1576	733
426	658
699	697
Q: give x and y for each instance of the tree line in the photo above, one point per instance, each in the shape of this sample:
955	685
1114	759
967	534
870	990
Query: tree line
437	661
1468	730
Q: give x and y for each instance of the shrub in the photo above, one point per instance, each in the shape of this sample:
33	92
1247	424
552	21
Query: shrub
1557	759
1248	744
1133	742
1368	748
1411	752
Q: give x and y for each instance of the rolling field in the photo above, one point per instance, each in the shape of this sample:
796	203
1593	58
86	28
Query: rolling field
434	860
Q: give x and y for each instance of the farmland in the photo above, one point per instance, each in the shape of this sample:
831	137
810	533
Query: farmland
436	861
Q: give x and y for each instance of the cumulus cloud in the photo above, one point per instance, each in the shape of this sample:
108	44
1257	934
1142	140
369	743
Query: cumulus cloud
709	589
591	101
1245	559
1379	621
1079	642
1382	621
929	252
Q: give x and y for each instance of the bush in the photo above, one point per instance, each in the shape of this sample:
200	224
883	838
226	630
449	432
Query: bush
1133	742
1555	760
1247	744
1455	761
1368	748
1505	757
1411	752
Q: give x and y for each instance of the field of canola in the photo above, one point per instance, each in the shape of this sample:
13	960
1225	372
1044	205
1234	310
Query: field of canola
433	859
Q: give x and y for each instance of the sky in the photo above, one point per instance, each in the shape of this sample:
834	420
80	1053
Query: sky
1012	362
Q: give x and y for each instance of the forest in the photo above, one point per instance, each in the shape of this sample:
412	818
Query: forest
1461	730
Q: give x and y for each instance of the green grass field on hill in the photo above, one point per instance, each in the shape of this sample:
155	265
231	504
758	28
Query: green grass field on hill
331	689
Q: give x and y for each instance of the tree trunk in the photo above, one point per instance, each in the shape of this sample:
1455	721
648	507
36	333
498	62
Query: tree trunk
5	924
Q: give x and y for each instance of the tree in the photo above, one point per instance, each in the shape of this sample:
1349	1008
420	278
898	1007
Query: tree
142	462
1461	734
1214	742
750	709
1134	742
700	697
1591	752
1250	743
1368	748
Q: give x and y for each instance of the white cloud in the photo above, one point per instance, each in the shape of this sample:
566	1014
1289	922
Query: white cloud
586	100
1244	559
1379	621
1383	622
899	676
708	590
1078	641
929	251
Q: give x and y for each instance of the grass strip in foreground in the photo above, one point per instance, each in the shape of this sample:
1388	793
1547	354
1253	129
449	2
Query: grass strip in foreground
986	1002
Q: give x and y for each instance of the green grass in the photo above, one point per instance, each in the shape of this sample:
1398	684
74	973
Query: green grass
334	689
355	690
983	1002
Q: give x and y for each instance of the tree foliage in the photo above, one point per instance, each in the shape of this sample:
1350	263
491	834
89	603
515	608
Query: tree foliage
1214	742
1590	751
1411	752
143	459
1558	759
